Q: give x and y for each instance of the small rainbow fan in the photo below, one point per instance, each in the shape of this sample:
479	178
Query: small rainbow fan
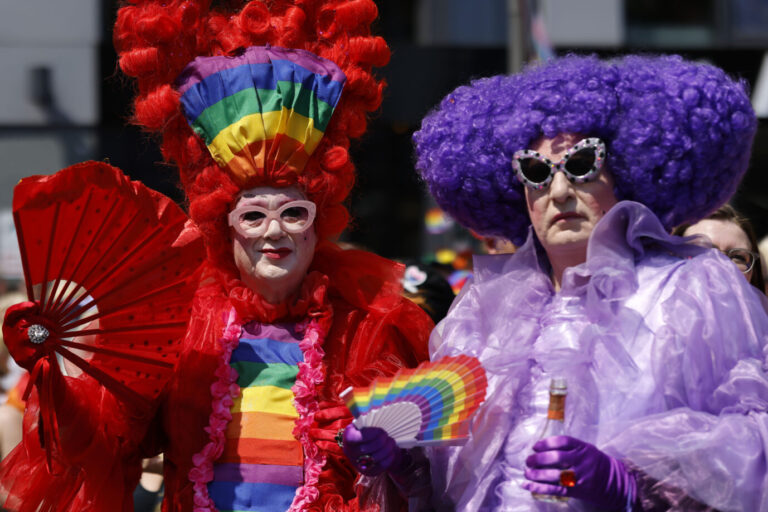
263	110
427	405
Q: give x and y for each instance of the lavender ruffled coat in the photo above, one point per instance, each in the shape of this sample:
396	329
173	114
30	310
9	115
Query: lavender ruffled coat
662	343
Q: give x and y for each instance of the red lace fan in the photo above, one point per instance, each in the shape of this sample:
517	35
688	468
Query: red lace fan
99	255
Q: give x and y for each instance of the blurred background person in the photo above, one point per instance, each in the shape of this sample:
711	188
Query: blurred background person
732	234
425	285
763	250
13	385
148	494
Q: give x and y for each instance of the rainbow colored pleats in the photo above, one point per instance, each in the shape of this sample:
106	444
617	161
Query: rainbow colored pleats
263	110
428	405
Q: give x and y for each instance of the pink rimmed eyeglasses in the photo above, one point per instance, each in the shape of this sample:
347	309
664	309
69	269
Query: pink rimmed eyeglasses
251	220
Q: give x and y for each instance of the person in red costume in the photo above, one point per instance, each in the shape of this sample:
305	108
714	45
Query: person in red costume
256	103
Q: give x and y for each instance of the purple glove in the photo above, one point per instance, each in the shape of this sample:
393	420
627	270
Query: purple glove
599	478
371	450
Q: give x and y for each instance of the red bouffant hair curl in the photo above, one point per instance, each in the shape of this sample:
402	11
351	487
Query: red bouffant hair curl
156	39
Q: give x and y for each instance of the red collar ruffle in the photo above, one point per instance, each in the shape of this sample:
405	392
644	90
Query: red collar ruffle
309	302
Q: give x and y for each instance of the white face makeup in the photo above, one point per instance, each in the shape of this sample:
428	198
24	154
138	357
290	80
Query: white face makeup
564	213
273	262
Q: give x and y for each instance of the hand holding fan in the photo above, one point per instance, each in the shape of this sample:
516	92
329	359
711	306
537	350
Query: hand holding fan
113	288
427	405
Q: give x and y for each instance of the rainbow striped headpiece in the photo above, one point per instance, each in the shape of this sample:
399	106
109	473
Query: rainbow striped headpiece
263	110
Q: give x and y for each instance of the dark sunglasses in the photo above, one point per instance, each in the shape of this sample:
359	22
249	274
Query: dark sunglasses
581	163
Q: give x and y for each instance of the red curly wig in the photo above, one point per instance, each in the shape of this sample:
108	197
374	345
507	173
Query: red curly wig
156	39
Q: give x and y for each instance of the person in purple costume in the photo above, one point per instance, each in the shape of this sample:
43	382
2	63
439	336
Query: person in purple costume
585	165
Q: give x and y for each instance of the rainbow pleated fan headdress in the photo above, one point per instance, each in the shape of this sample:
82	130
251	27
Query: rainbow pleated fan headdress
431	404
262	111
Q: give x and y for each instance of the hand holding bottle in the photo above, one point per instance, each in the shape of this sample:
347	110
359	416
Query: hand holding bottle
598	478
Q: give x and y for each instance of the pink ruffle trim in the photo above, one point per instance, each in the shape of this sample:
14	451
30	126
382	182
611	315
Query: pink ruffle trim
224	391
310	376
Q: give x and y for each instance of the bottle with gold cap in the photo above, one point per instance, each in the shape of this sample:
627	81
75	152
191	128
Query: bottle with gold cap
555	426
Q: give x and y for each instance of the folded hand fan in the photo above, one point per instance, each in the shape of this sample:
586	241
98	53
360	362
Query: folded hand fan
428	405
98	254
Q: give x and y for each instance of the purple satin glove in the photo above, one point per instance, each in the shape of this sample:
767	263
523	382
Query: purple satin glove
371	450
599	478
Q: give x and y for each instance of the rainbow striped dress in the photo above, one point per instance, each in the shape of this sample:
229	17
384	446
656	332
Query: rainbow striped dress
262	463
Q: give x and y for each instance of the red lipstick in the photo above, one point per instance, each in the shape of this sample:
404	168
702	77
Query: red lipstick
276	254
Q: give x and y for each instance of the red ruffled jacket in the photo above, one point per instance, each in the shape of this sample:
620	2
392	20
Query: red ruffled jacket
370	331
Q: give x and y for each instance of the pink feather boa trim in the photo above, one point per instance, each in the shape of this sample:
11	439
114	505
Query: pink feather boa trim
225	390
310	376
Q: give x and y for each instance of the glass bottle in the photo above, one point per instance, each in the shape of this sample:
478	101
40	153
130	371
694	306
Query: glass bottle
555	426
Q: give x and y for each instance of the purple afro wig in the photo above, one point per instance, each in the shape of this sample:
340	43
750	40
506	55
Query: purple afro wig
678	136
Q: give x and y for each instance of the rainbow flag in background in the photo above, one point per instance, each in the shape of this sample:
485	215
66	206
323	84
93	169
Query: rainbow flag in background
262	110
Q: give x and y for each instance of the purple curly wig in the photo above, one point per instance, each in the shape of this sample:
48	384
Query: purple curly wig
678	136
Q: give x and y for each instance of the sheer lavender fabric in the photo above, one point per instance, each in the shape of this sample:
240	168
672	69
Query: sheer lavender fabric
662	344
